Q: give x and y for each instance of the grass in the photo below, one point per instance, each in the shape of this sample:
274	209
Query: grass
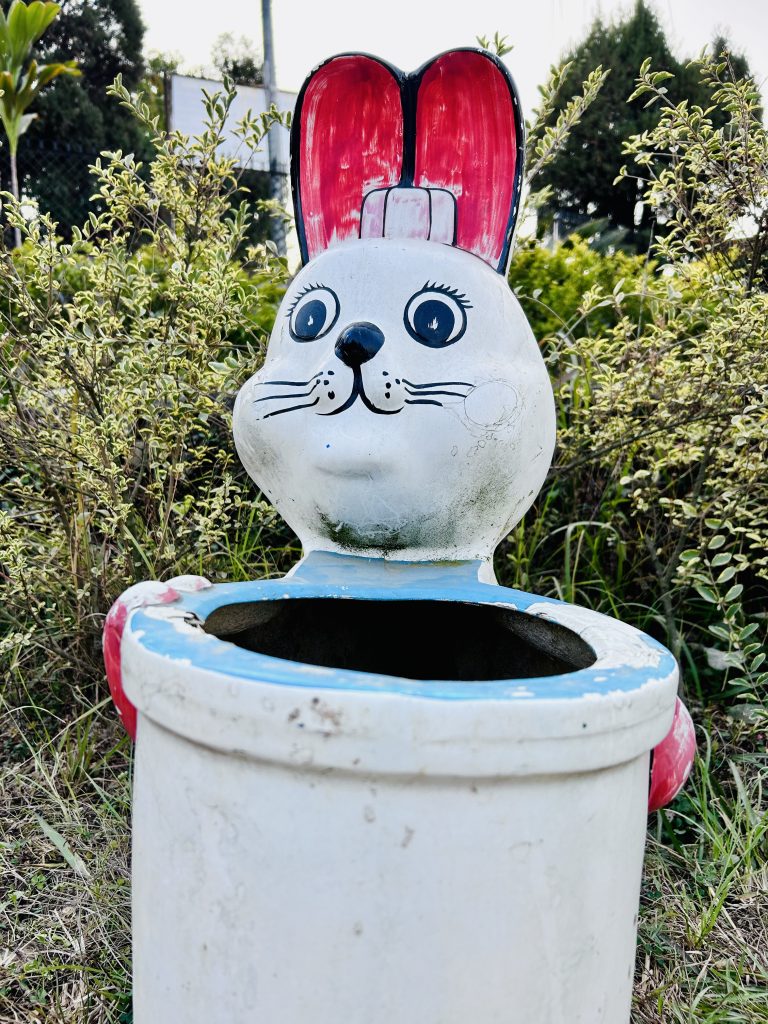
703	943
64	859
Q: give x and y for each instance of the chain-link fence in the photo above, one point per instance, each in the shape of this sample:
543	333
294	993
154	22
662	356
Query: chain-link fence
56	179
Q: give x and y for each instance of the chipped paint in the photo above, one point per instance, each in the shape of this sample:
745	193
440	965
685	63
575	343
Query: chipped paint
627	661
619	644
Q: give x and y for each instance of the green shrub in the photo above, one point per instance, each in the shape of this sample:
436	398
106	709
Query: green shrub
658	507
551	284
119	355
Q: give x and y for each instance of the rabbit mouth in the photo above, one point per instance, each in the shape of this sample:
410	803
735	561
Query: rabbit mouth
358	391
320	390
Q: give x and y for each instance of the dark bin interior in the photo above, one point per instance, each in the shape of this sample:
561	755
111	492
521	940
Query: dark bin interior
413	639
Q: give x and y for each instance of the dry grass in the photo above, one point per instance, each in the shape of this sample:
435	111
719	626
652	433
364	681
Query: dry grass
64	861
703	951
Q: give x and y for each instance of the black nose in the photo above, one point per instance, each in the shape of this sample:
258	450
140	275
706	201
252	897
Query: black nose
358	343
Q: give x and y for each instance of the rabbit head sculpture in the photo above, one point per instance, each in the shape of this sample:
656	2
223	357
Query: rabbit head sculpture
403	409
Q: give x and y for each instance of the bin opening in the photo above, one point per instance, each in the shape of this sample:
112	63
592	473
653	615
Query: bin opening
412	639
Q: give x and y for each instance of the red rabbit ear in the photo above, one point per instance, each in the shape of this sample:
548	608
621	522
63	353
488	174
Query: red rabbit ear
470	141
347	139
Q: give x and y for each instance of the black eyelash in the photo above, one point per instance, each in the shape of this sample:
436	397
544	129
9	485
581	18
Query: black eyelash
454	293
305	291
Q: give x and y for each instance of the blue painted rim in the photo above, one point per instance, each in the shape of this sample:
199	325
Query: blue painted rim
329	575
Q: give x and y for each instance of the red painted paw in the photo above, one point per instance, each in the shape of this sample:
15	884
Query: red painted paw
672	759
138	596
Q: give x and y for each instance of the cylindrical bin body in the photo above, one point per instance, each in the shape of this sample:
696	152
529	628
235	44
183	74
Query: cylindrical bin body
324	844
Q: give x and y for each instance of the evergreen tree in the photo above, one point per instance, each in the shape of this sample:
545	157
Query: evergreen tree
582	175
76	119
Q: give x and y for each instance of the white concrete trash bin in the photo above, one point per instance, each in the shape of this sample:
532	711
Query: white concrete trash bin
385	790
322	845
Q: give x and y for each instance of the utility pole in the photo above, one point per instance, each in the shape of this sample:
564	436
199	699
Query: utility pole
270	88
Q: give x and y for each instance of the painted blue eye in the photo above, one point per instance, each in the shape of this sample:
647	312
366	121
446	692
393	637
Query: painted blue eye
313	313
310	319
436	316
434	322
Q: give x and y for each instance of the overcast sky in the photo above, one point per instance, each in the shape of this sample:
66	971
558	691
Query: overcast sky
408	32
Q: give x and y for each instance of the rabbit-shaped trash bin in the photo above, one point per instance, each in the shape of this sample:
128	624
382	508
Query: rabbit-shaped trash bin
385	789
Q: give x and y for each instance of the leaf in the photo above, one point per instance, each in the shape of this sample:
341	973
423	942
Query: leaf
707	593
21	85
689	556
722	660
747	803
76	862
721	559
720	632
733	593
25	121
716	542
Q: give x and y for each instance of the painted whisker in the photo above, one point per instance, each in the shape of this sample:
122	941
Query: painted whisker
453	394
288	383
421	401
439	384
303	394
293	408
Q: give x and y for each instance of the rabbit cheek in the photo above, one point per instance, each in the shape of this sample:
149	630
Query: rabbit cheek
493	406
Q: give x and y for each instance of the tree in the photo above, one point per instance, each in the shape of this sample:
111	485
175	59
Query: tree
237	59
22	79
77	119
582	175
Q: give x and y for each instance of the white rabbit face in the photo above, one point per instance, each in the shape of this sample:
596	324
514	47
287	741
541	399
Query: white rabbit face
403	408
